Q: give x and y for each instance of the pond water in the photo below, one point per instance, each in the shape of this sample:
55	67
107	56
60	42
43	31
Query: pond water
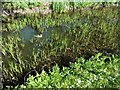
30	37
27	33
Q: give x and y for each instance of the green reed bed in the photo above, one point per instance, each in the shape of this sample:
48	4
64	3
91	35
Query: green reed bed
20	5
82	34
57	7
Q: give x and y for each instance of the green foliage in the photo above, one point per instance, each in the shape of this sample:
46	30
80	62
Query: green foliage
55	6
66	6
20	5
92	73
72	35
59	6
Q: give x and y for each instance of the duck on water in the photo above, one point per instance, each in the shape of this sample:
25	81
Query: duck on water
38	36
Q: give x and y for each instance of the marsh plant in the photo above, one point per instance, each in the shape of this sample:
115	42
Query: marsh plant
97	72
64	38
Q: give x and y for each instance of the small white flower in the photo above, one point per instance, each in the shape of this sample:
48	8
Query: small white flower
89	82
101	78
105	70
95	78
46	3
78	81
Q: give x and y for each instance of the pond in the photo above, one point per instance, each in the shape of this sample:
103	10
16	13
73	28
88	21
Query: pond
59	39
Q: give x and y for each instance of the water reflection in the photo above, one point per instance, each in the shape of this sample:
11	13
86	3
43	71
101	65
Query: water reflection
27	33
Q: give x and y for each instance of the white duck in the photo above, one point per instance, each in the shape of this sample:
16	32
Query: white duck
38	36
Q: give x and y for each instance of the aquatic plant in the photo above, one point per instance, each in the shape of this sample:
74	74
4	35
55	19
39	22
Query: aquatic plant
69	36
92	73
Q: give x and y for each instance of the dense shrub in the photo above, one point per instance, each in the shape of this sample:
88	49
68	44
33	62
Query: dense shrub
97	72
